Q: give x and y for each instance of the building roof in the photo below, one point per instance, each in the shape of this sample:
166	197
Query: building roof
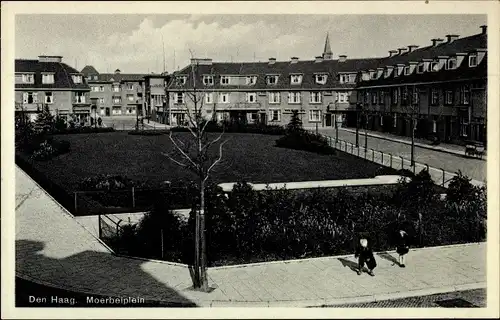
62	74
89	70
328	48
284	69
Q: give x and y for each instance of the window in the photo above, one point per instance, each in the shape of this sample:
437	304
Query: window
224	97
472	60
321	78
387	72
49	98
95	89
181	80
315	97
117	100
342	97
48	78
381	121
275	115
381	97
101	88
407	70
344	78
434	97
251	97
294	97
178	97
208	80
250	80
464	126
373	75
272	79
130	86
374	98
274	97
451	64
101	100
395	120
314	115
77	79
157	99
116	88
433	66
434	126
420	68
296	79
28	78
254	116
95	77
465	95
415	97
79	97
130	97
395	95
404	96
117	111
224	80
448	97
102	111
130	110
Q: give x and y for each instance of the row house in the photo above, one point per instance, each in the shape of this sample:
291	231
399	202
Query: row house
155	97
115	94
267	92
441	86
47	81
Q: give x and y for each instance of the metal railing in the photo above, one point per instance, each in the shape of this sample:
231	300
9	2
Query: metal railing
439	175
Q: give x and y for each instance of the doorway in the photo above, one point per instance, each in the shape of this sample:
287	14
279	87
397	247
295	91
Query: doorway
328	120
107	112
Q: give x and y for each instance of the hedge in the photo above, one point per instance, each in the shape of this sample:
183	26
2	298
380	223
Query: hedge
307	141
148	132
84	130
231	127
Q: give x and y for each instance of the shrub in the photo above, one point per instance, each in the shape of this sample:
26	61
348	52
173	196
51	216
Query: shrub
60	124
49	149
306	141
83	129
105	182
147	132
44	121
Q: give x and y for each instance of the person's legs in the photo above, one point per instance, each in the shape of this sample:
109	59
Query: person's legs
402	263
361	264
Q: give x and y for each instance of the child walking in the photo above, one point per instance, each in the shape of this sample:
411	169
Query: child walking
364	254
403	246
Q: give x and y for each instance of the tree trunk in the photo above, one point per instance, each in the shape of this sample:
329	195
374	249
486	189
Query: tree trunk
196	280
203	266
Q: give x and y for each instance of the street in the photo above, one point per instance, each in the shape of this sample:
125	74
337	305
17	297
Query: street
473	168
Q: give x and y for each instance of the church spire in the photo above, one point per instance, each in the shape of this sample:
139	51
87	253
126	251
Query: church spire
327	52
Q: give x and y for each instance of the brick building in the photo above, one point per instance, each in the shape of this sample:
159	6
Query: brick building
443	86
268	91
49	81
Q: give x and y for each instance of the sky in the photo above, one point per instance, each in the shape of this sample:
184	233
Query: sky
135	43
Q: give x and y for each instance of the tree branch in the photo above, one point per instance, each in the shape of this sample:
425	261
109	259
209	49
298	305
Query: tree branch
216	161
182	152
173	160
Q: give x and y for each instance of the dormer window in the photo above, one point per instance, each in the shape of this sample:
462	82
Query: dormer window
345	78
373	75
95	77
272	79
434	66
181	80
224	80
250	80
473	60
321	78
421	68
451	64
48	78
77	78
296	79
407	71
208	80
387	72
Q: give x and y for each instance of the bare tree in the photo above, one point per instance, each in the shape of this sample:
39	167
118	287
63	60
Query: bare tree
412	111
193	153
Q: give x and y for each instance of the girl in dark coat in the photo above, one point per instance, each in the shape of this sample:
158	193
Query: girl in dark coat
402	246
365	254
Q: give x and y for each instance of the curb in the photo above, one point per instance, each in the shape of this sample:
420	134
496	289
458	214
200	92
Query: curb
420	145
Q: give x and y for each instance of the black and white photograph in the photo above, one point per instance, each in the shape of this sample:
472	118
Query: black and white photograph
207	159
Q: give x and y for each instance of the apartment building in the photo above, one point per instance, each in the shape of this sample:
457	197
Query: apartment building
269	91
115	94
155	98
47	81
443	86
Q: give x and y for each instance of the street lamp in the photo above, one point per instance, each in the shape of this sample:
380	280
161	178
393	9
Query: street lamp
359	106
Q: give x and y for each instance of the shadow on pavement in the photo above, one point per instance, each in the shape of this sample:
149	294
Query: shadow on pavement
89	271
348	263
387	256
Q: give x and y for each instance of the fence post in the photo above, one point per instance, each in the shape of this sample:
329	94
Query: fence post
118	227
352	148
99	225
382	155
358	150
443	176
390	160
373	155
427	166
402	163
161	239
133	197
76	207
414	167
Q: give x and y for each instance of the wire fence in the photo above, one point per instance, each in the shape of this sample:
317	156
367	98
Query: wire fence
439	175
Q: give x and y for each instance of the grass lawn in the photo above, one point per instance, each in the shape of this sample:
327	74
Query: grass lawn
250	157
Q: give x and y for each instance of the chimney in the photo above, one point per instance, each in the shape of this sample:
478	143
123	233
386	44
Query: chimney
401	50
117	71
412	47
294	60
483	29
319	59
435	42
342	58
272	60
392	53
49	58
451	37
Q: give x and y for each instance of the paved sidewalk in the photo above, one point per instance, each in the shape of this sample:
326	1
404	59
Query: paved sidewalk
52	248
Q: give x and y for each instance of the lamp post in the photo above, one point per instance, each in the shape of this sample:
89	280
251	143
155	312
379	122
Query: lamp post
366	129
358	109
